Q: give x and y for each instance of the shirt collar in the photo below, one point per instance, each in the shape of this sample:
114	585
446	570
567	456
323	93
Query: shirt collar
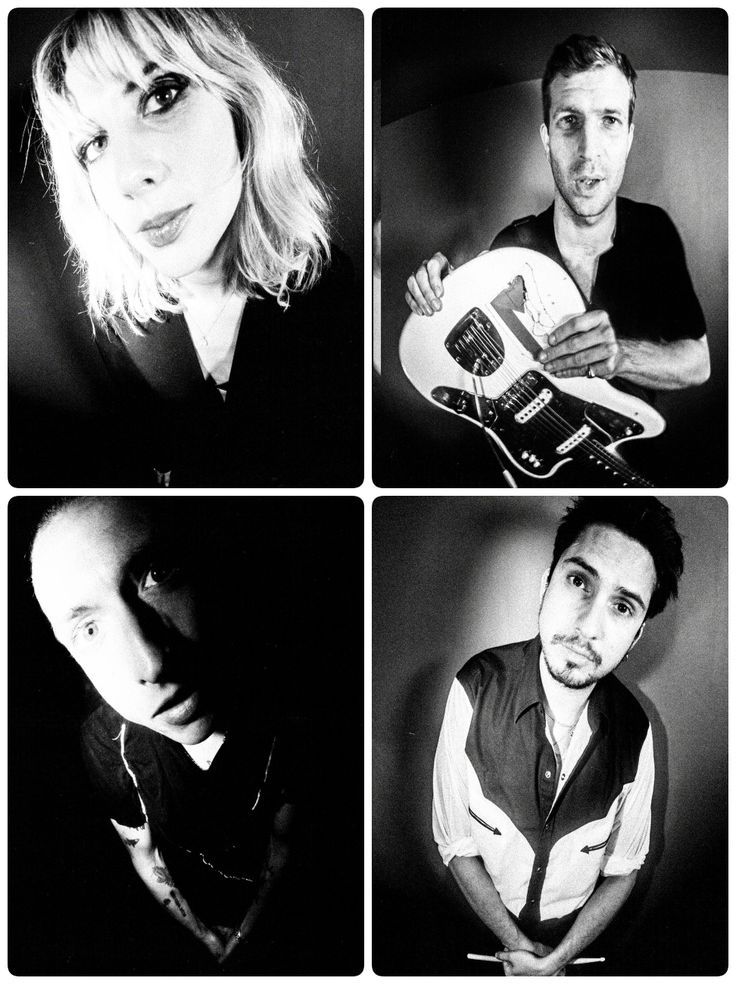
529	684
529	690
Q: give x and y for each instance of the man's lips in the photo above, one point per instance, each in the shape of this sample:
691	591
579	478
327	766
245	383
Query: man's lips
180	708
573	646
164	228
587	182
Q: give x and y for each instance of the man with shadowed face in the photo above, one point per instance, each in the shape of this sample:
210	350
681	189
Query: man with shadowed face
643	329
184	756
544	768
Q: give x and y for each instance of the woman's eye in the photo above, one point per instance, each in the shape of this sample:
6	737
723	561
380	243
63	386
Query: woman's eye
92	149
622	608
162	97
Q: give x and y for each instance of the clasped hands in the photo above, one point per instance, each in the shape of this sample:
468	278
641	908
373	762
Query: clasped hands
221	941
585	345
529	963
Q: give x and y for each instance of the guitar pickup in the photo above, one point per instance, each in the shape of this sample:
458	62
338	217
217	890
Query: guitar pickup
538	403
572	442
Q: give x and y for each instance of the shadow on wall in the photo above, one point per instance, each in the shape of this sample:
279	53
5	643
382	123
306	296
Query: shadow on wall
454	576
455	174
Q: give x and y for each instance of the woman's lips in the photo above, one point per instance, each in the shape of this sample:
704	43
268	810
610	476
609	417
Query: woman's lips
164	229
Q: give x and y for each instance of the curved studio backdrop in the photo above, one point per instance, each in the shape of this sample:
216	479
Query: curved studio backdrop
453	576
58	386
461	158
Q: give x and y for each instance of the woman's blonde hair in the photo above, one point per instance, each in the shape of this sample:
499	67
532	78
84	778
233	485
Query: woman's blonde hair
279	235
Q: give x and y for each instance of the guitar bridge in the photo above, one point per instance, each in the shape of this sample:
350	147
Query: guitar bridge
475	344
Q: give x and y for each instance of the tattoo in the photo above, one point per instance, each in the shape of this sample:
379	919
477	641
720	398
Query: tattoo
178	904
132	842
163	876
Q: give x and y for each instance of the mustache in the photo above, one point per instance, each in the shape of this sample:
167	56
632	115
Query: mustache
579	645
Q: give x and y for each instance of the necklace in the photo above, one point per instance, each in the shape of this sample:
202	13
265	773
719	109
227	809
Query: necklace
205	337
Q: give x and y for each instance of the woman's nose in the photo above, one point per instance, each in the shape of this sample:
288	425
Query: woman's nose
138	164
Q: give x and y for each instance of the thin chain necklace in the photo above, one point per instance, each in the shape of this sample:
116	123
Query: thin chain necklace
205	337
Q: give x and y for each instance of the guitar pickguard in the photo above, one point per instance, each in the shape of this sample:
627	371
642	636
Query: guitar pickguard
541	428
479	357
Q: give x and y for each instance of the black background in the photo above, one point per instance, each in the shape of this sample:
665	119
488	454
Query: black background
75	904
62	430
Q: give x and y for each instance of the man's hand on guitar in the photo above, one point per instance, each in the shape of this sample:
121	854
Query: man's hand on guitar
425	286
583	346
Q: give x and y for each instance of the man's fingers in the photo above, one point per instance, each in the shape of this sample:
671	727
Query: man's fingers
415	294
580	323
437	269
600	358
425	285
413	304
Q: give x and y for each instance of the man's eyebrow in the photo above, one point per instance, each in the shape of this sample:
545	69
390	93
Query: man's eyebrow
622	590
77	611
147	69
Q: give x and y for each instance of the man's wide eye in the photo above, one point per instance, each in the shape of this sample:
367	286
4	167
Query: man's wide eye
87	632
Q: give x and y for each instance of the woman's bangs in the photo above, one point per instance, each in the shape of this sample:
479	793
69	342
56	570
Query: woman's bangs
123	47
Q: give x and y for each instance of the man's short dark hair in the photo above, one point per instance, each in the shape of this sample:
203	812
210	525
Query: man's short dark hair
580	53
645	520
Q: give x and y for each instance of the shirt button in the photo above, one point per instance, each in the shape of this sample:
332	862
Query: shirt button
547	774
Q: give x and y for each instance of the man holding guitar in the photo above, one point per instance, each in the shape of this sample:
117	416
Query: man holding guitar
544	769
643	328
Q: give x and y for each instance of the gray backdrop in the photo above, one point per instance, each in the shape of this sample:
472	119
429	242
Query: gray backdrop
453	576
461	158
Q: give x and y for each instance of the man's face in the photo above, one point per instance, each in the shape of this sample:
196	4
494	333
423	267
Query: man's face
594	605
588	138
126	612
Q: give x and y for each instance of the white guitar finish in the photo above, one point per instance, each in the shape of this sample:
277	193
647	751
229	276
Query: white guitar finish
479	360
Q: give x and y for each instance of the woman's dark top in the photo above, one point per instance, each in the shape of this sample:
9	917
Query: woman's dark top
293	414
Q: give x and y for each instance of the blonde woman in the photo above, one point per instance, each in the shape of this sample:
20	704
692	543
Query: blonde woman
179	162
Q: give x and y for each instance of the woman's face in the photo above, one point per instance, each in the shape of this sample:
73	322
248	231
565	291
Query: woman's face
162	163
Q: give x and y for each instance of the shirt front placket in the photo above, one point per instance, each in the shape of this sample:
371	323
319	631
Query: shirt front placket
550	800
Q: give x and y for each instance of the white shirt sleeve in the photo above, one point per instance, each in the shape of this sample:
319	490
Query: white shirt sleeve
629	841
450	817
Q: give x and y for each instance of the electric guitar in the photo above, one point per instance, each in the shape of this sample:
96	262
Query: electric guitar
477	358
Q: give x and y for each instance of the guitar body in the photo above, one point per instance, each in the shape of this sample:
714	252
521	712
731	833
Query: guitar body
478	358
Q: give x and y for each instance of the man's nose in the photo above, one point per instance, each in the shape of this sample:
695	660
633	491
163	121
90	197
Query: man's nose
590	617
588	140
146	638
